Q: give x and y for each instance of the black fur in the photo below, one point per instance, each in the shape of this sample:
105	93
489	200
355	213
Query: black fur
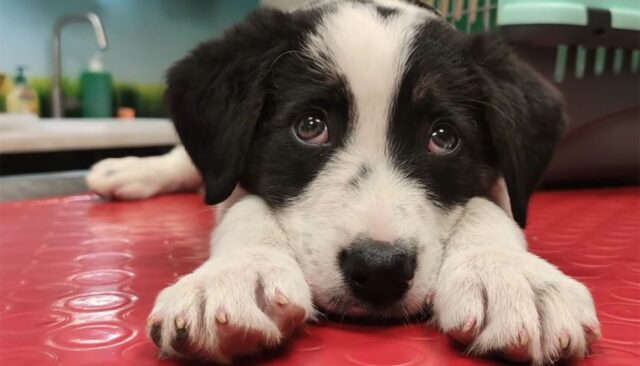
524	113
440	86
508	118
278	166
386	12
217	93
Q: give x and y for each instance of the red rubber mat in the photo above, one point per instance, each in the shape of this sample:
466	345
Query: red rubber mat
78	277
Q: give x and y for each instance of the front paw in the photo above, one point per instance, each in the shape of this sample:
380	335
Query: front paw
516	304
225	310
129	178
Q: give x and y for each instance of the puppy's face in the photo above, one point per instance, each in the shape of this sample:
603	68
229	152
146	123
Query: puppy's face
365	125
370	138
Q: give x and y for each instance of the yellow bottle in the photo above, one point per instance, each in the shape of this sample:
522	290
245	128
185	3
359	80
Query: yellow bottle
22	99
5	88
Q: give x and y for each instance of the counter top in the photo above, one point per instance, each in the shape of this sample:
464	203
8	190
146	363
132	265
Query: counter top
44	135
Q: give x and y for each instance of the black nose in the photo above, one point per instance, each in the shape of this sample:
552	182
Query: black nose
377	272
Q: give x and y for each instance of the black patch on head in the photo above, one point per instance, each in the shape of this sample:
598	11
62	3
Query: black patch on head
362	173
234	101
438	87
507	118
278	166
524	115
386	12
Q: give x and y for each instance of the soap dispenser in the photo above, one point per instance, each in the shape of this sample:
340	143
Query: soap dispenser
96	90
22	99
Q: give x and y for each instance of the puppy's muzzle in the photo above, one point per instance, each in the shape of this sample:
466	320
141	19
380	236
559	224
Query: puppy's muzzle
378	273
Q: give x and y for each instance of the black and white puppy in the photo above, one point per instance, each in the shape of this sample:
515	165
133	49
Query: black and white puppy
357	150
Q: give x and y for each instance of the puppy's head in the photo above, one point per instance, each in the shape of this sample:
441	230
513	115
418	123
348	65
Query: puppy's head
364	124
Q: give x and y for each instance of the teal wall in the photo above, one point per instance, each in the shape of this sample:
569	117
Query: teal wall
145	36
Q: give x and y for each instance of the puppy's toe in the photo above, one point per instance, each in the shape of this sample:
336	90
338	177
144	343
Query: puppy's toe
466	333
519	351
225	310
569	322
285	313
459	306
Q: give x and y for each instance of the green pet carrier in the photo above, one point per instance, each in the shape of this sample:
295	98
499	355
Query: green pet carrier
590	49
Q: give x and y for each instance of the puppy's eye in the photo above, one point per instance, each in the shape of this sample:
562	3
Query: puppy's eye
312	129
443	139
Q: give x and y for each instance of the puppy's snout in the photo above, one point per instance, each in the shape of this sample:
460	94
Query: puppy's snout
377	272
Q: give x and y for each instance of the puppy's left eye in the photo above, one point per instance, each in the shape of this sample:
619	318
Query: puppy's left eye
443	139
312	129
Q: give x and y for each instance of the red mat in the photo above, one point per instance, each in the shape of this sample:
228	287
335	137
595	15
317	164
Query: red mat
78	277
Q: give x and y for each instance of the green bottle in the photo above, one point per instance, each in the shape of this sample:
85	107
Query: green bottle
96	90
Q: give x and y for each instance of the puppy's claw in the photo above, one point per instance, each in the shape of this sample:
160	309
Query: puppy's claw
523	338
181	329
430	297
592	333
180	324
466	334
564	340
469	325
280	298
520	351
221	317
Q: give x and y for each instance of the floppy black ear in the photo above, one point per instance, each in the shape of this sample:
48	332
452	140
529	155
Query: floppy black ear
215	96
525	115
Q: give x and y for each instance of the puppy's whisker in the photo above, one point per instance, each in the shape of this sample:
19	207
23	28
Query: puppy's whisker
406	320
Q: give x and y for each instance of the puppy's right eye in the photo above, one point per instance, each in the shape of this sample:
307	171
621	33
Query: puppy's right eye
312	129
443	140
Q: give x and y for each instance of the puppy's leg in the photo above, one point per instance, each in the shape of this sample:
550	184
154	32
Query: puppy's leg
495	296
250	295
133	178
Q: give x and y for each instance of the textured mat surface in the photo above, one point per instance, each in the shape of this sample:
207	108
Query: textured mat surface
78	277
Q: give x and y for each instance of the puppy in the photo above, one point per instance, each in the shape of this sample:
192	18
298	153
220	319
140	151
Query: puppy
356	149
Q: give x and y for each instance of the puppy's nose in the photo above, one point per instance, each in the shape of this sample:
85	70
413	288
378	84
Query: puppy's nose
377	272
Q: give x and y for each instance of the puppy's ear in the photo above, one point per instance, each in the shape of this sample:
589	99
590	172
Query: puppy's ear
525	116
215	96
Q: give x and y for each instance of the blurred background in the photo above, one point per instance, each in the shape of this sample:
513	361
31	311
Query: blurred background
82	80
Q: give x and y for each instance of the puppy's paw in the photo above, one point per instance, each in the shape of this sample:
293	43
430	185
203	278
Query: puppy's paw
226	310
129	178
514	304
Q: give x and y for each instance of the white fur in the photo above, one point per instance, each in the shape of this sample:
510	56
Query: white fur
488	275
463	255
370	54
250	263
134	178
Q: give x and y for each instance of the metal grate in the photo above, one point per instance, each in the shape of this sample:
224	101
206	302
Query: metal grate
468	15
472	16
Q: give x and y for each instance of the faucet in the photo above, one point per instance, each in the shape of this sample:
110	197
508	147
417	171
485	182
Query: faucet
101	39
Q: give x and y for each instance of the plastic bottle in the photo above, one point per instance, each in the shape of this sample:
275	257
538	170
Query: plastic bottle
6	85
22	99
96	90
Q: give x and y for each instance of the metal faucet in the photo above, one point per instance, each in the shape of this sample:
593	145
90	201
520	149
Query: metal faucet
101	39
